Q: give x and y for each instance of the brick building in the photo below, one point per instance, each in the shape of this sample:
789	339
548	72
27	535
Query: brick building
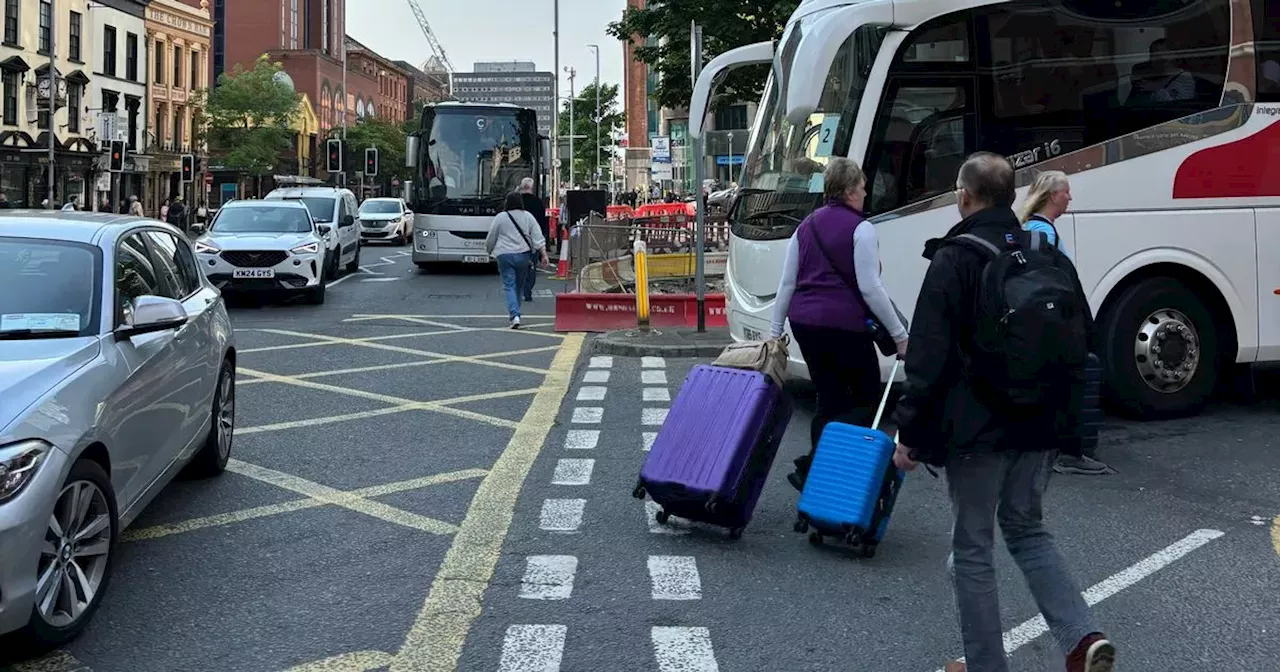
642	113
423	88
392	99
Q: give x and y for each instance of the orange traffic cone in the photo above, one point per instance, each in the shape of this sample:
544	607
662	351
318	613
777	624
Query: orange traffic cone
562	267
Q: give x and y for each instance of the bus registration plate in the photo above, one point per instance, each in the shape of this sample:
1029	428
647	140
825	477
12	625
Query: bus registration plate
475	260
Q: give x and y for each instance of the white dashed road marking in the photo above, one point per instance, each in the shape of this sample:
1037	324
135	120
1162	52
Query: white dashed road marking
532	648
683	649
653	377
548	577
595	377
571	471
657	394
653	362
653	416
604	362
380	280
582	439
674	577
649	438
592	393
672	526
588	415
562	515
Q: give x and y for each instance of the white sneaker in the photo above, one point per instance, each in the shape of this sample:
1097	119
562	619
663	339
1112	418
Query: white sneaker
515	322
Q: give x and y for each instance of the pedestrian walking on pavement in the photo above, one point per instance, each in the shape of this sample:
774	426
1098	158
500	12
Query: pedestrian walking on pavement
534	206
989	420
832	294
177	214
135	207
516	242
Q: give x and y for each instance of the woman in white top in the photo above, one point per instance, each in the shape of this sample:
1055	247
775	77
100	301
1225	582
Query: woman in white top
516	241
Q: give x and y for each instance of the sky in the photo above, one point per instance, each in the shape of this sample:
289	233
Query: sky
495	30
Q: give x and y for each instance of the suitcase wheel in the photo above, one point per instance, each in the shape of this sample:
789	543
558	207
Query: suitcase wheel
735	533
801	525
815	538
663	516
639	492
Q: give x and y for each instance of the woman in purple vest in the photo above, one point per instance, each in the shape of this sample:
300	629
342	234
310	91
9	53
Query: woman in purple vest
830	289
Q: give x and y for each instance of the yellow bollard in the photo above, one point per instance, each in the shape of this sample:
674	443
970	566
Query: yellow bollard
640	258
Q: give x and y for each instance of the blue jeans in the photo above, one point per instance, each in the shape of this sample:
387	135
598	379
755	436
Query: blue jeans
515	271
531	278
1007	487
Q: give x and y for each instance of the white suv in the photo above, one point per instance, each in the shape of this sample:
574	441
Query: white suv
336	208
265	246
386	219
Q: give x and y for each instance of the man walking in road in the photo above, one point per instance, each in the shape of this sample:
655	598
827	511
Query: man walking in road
997	420
534	206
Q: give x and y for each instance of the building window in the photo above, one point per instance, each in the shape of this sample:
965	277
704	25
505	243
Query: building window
109	51
194	82
324	27
160	115
219	39
131	57
73	42
293	24
110	101
46	22
133	104
159	62
10	98
74	93
11	22
177	128
177	67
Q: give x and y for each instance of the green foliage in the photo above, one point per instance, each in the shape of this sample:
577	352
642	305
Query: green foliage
250	118
388	137
726	24
584	124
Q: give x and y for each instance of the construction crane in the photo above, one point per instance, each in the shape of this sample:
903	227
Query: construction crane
436	50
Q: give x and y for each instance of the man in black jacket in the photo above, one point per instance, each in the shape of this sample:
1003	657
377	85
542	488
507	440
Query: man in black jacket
538	209
997	464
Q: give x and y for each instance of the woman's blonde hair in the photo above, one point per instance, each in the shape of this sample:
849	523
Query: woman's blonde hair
841	176
1045	185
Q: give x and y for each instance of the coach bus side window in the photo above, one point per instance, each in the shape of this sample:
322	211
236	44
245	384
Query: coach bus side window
1266	32
1056	77
923	134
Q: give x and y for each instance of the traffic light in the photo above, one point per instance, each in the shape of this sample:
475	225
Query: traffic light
117	156
334	164
188	167
371	162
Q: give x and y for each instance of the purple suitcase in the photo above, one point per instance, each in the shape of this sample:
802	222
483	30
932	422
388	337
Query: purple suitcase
710	459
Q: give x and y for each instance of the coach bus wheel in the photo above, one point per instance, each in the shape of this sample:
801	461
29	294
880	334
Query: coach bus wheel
1160	350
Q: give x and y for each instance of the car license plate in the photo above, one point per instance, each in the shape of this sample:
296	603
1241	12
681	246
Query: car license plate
254	273
751	334
475	260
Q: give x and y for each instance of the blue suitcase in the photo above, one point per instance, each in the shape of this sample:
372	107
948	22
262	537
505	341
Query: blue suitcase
852	484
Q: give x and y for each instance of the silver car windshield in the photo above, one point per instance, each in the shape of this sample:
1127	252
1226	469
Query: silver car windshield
380	208
261	219
51	288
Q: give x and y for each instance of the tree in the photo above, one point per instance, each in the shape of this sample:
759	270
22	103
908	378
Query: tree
250	118
584	130
388	137
726	24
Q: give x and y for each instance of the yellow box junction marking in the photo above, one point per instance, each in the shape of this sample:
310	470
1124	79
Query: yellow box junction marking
402	365
434	643
454	328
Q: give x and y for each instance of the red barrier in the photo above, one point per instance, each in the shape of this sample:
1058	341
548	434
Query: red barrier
655	209
611	312
619	212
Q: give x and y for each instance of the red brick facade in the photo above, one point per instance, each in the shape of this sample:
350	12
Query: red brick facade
393	82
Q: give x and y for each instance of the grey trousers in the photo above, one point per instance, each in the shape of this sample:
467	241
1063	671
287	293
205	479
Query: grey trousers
1007	487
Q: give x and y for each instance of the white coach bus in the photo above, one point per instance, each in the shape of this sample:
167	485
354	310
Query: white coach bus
1163	113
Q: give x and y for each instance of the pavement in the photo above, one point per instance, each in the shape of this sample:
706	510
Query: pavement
417	487
663	342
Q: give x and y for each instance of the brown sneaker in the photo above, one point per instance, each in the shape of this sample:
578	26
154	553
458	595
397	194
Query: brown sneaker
1093	654
955	666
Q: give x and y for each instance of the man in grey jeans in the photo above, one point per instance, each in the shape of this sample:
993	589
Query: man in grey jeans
997	464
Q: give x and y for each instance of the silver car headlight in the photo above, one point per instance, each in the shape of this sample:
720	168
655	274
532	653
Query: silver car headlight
309	248
203	247
18	463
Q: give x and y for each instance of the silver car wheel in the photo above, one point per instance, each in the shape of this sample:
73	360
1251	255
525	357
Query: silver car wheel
73	559
225	422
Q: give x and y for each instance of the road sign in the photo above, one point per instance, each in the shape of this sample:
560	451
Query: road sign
661	146
108	126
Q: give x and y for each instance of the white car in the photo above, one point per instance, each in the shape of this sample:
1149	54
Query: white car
266	246
386	219
337	208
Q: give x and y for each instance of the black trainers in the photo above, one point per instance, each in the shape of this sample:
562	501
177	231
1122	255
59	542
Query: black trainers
1082	465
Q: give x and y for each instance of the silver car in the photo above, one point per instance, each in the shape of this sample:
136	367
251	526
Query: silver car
385	219
117	370
267	246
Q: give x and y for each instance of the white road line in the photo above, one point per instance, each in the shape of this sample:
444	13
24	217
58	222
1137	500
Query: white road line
592	393
340	280
582	439
532	648
562	515
588	415
596	377
605	362
653	362
573	471
649	438
548	577
654	377
674	577
657	394
380	280
683	649
653	416
672	526
1030	630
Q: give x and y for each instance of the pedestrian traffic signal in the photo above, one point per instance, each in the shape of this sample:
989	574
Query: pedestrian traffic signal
117	156
188	168
334	164
371	162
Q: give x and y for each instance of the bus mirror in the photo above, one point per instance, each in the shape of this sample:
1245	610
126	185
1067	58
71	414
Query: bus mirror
751	54
411	151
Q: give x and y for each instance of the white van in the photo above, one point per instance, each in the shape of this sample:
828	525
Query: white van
336	208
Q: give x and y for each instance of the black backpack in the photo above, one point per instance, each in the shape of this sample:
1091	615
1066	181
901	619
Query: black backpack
1032	336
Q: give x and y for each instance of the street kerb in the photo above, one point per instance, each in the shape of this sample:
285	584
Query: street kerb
597	312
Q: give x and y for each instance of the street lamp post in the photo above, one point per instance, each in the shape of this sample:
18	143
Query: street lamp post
53	98
555	116
572	73
596	48
730	156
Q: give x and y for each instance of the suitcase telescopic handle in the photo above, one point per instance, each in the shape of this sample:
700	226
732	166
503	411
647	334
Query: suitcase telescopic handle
884	398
